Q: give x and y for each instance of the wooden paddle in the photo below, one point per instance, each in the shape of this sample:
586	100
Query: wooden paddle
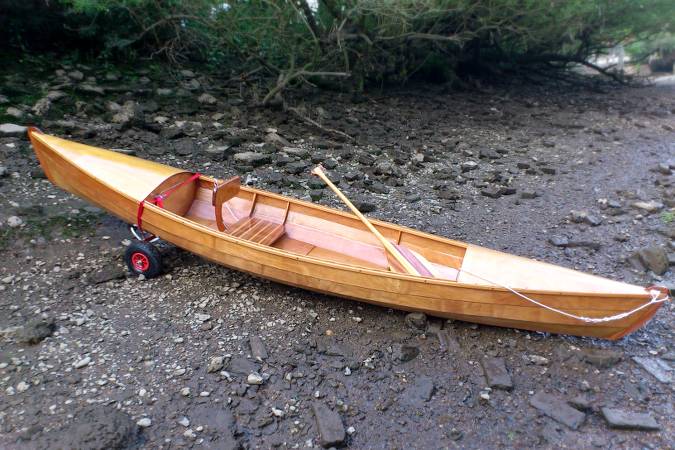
318	171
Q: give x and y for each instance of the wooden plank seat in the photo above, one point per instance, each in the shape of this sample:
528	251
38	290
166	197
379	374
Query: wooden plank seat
257	230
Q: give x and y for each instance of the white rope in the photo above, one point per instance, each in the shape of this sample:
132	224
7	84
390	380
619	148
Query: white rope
653	292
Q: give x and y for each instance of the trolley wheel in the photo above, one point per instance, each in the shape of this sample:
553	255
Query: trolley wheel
143	258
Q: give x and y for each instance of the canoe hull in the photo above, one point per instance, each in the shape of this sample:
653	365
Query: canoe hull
473	303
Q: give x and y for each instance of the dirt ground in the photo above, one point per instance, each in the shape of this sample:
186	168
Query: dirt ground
91	357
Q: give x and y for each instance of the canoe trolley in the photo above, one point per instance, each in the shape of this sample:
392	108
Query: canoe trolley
338	253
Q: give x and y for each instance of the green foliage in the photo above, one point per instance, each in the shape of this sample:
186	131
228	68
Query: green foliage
373	40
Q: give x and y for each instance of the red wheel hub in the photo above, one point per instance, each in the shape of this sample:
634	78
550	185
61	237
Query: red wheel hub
140	261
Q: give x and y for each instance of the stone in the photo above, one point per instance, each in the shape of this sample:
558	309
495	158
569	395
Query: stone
559	241
657	367
14	221
404	352
316	194
184	147
491	192
585	217
11	130
416	321
279	142
207	99
654	258
449	194
76	75
252	158
468	166
581	402
14	112
528	195
538	360
254	378
215	364
258	350
145	422
651	206
296	168
364	205
496	374
36	331
108	273
241	366
617	418
600	357
331	430
558	410
42	106
299	152
84	362
420	390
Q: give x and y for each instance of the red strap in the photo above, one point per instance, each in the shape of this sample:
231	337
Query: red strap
139	215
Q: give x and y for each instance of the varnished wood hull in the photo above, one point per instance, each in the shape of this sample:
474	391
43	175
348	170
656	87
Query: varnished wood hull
473	302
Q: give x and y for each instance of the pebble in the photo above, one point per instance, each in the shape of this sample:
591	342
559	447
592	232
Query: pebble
14	222
254	378
185	392
215	364
145	422
184	421
22	387
84	362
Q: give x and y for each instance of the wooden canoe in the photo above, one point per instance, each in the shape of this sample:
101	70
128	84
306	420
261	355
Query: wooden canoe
330	251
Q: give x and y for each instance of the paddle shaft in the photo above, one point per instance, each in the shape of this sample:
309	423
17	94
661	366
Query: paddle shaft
387	245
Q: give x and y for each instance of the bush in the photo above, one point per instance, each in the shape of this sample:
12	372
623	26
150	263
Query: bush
374	41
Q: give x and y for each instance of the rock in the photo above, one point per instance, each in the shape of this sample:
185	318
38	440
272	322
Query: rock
207	99
91	89
42	106
241	366
528	195
417	321
581	402
538	360
276	140
657	367
186	73
184	147
14	222
651	206
663	169
84	362
316	194
420	390
145	422
22	387
76	75
296	168
217	152
14	112
108	273
36	331
215	364
557	409
127	114
3	100
601	358
559	241
252	158
449	194
95	428
496	375
617	418
299	152
654	258
468	166
258	350
404	352
585	217
11	130
331	430
491	192
364	205
254	378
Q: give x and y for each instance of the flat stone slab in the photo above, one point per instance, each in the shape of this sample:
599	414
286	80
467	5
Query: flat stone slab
10	129
258	350
331	430
496	374
617	418
558	409
660	369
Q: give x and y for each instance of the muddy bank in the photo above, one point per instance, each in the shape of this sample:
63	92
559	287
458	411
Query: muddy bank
203	356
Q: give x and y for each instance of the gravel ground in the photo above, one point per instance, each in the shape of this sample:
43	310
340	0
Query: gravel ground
91	357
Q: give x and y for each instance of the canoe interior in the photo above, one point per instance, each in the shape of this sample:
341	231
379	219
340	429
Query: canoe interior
306	230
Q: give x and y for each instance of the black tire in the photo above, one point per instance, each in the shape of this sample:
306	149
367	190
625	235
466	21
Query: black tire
143	258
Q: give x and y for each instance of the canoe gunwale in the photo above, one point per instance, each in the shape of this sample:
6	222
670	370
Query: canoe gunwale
395	275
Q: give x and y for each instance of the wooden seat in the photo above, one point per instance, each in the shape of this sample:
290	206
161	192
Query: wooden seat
257	230
222	193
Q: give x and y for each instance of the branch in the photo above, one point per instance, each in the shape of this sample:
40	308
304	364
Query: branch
321	127
290	76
